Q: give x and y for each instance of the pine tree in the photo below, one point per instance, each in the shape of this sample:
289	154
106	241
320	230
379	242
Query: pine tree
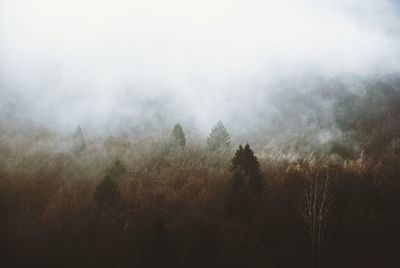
237	196
78	141
177	137
219	139
245	187
247	163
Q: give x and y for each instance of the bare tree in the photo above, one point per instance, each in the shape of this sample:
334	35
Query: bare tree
315	212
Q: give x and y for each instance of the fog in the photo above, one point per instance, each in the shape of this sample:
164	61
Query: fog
116	64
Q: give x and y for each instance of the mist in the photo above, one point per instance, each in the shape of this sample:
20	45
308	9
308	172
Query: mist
191	134
109	65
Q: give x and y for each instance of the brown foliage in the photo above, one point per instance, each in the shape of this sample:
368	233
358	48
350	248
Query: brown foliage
171	210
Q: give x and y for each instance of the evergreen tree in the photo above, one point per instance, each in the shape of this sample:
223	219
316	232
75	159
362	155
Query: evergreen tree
219	139
177	137
78	141
237	196
106	194
246	162
246	184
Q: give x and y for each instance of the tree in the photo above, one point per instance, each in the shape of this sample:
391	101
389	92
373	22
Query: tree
247	163
219	139
177	137
107	193
78	141
237	197
245	187
315	212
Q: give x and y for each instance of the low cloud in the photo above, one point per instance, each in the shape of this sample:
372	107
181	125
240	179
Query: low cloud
64	63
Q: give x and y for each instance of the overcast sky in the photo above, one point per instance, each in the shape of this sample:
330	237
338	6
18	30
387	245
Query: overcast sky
69	62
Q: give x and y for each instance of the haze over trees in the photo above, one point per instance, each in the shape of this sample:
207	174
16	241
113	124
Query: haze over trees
301	171
78	141
177	137
128	199
219	139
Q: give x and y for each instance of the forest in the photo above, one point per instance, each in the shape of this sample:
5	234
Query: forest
317	187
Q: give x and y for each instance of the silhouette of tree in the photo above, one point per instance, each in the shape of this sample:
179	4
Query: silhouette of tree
177	137
237	197
219	138
246	184
247	163
78	141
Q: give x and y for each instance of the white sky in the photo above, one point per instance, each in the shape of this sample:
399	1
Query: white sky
81	59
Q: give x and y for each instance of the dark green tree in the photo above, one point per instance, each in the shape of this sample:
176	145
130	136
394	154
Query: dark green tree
107	193
245	187
219	139
177	137
78	141
247	163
